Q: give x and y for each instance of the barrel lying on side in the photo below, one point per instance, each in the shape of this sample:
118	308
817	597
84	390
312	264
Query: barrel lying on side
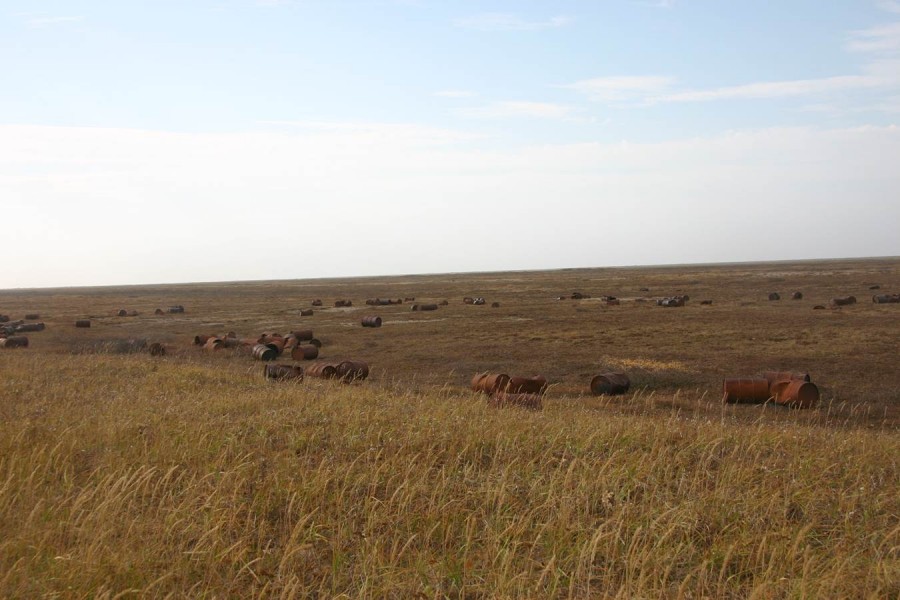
305	352
797	296
886	298
122	313
774	296
489	383
317	302
424	307
527	385
213	344
31	327
83	323
304	335
156	349
610	384
342	303
306	312
371	321
322	370
795	393
14	341
263	352
352	370
843	301
504	399
280	372
177	309
746	391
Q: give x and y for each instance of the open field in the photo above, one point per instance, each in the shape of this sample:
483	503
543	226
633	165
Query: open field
189	475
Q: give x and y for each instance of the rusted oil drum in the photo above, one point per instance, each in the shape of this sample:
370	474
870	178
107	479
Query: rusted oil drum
83	323
706	303
31	327
613	302
122	313
774	296
818	307
314	342
424	306
200	340
775	376
305	353
317	303
886	298
444	303
671	302
230	342
213	344
263	352
156	349
527	385
158	311
290	342
14	341
504	399
844	301
303	335
746	391
306	312
468	300
371	321
32	317
410	299
276	345
283	372
322	370
578	296
610	384
176	309
797	296
495	305
4	318
342	303
352	370
796	393
488	383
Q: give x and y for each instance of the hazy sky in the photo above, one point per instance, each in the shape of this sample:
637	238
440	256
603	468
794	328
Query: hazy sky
211	140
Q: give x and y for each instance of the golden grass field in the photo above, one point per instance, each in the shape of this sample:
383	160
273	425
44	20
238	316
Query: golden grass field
124	475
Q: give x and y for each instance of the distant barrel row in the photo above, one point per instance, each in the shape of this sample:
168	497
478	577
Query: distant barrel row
268	346
345	371
528	391
794	390
13	327
172	310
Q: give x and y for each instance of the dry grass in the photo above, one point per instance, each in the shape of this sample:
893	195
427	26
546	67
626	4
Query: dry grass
190	476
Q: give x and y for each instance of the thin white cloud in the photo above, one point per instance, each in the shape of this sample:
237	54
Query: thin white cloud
881	39
890	6
776	89
455	94
45	21
626	87
518	110
509	22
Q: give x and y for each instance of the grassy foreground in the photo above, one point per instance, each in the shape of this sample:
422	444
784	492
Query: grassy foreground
124	476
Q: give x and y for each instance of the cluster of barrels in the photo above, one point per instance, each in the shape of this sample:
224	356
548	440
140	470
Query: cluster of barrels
172	310
338	303
476	301
773	296
300	344
793	390
673	301
843	301
383	301
420	307
528	392
9	329
345	371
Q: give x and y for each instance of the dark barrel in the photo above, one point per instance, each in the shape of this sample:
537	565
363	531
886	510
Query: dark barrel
371	321
610	384
83	323
527	385
283	372
305	353
157	349
263	352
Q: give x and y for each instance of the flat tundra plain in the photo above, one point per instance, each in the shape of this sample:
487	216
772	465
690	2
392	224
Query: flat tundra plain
126	475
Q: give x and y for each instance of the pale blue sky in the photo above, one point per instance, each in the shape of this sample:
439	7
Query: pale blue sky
242	139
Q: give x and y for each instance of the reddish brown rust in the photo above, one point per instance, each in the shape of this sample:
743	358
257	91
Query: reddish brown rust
527	385
468	300
279	372
317	302
796	393
303	334
610	384
158	311
495	305
349	371
306	312
844	301
322	370
488	383
774	296
746	391
14	341
424	307
212	344
83	323
797	296
342	303
818	307
775	376
706	302
371	321
505	399
263	352
305	353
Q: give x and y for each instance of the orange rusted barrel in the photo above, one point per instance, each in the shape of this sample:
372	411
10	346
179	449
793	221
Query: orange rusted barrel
303	335
610	384
283	372
213	344
527	385
200	340
468	300
83	323
230	342
14	341
263	352
505	399
746	391
305	353
352	370
276	344
371	321
775	376
488	383
795	393
306	312
156	349
322	370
